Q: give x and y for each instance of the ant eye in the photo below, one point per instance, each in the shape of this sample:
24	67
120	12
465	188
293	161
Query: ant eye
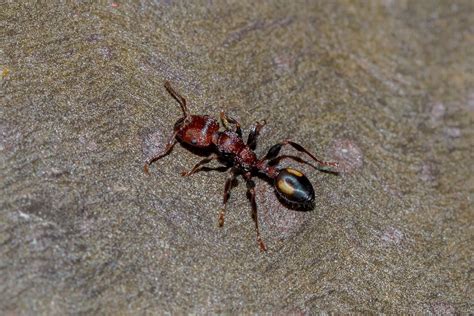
294	187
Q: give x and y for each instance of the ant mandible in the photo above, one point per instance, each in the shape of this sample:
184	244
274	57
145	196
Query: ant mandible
228	146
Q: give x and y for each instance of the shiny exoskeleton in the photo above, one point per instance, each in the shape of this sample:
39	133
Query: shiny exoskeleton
228	146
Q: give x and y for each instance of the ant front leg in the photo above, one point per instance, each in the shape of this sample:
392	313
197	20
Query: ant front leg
226	120
169	146
253	135
275	150
253	203
227	188
172	139
198	166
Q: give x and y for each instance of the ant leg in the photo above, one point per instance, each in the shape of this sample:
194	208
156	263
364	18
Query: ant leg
252	139
169	146
275	150
276	160
227	188
198	166
177	97
251	195
226	120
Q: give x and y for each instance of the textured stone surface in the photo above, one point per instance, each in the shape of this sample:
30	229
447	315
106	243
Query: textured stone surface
387	88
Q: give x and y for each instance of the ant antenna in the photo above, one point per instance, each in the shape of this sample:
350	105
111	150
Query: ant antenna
177	97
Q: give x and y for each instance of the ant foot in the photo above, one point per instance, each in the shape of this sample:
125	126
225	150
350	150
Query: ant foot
221	218
262	245
146	169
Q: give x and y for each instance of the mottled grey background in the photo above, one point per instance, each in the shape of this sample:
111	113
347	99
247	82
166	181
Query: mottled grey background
385	87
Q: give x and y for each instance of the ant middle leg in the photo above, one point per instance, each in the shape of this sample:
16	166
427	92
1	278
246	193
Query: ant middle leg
226	120
227	188
275	150
199	165
253	135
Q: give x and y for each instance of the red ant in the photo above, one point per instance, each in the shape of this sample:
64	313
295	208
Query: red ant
228	146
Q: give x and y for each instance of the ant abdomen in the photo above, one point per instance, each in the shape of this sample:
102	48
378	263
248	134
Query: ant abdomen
294	188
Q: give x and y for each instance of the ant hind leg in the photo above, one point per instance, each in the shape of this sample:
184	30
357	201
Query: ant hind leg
251	195
275	150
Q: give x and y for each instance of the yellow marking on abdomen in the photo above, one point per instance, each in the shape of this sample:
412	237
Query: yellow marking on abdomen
285	187
295	172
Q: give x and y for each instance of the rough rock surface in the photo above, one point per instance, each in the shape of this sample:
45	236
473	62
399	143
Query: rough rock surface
386	88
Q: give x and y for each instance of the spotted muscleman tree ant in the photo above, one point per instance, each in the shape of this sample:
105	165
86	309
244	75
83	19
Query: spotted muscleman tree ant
228	146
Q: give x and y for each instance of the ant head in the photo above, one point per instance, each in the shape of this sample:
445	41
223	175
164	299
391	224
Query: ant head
293	187
196	130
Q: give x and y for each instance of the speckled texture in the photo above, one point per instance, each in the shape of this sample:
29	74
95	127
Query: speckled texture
386	87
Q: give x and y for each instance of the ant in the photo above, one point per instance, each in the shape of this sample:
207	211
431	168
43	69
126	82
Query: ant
228	146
